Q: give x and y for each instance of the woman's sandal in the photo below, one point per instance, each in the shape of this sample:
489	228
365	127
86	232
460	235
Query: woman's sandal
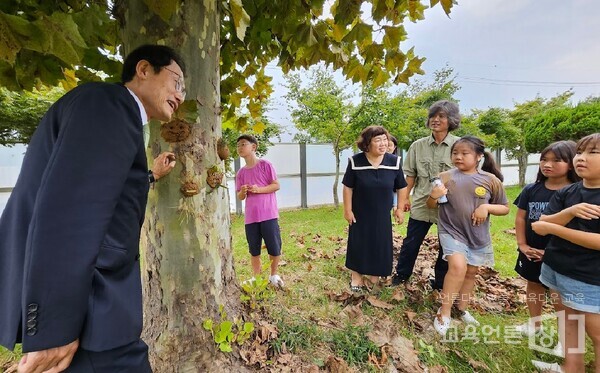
357	288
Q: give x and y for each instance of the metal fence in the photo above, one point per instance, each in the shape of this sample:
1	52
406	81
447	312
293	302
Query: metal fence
305	171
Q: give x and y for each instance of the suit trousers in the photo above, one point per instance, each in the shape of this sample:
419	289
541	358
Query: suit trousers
415	234
131	358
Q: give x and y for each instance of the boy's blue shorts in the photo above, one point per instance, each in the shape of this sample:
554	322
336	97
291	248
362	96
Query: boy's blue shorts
268	231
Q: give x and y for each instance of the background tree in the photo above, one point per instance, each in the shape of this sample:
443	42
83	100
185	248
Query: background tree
510	132
20	112
188	262
562	123
322	110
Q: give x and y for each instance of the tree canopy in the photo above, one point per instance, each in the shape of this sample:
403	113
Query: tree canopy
72	41
20	113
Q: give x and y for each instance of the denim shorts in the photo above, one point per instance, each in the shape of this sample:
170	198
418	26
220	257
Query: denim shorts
476	257
574	294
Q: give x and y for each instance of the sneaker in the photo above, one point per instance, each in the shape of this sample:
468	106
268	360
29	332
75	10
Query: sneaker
397	280
547	367
434	285
528	329
558	350
441	324
467	318
276	281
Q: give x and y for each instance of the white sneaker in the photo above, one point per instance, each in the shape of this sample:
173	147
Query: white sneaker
467	318
441	324
527	329
547	367
558	350
276	281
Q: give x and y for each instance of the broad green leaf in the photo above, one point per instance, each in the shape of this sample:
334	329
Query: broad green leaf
61	37
259	127
379	76
345	11
361	33
393	36
248	327
207	324
255	109
338	32
414	65
162	8
416	10
225	347
70	80
447	6
9	43
241	19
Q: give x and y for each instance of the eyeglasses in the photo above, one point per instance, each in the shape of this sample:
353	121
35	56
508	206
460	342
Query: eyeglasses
179	83
242	144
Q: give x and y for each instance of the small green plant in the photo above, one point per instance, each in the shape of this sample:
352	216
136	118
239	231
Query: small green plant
426	351
227	332
255	291
353	345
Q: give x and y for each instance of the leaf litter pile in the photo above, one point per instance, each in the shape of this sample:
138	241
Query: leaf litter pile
494	294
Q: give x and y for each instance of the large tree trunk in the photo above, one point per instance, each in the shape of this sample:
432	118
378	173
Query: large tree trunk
188	268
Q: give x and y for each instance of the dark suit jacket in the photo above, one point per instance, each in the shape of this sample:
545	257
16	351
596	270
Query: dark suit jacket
69	235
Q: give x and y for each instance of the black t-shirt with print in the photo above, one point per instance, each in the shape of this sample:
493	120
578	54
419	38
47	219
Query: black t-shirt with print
534	199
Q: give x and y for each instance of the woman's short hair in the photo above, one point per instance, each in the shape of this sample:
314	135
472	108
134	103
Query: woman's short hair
450	109
367	134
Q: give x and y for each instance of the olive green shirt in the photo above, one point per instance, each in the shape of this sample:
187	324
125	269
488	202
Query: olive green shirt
424	160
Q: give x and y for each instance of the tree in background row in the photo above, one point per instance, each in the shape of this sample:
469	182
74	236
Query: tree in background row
188	270
562	123
323	113
20	112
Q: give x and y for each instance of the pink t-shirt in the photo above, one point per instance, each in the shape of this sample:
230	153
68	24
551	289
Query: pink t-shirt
261	206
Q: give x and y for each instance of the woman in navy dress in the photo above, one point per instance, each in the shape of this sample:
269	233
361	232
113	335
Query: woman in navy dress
369	177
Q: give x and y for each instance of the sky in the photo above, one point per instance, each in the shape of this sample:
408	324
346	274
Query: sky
502	51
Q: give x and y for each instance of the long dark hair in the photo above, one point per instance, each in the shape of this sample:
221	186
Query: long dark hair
564	151
478	146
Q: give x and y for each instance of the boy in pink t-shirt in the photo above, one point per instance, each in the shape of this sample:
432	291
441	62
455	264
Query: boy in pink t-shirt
257	183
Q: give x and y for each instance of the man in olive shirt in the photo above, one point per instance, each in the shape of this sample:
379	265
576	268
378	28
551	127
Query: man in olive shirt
426	158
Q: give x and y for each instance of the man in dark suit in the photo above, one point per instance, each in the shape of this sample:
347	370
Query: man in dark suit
70	288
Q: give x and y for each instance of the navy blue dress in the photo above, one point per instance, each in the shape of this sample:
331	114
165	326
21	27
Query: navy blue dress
370	238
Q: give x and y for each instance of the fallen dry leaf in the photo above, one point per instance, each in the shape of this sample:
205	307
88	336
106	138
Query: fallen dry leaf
336	365
477	365
410	315
379	303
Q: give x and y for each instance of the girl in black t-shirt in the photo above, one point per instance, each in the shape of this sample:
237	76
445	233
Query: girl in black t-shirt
555	172
571	266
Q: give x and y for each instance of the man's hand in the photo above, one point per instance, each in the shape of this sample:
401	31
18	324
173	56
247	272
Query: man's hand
163	164
53	360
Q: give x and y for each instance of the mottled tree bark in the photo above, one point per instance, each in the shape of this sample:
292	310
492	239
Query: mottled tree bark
186	242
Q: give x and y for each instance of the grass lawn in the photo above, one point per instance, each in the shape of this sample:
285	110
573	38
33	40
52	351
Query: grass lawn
313	326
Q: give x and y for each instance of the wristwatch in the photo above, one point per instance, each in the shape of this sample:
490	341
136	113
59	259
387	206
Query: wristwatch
151	178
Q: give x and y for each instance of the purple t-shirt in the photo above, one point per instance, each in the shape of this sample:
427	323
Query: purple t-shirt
261	206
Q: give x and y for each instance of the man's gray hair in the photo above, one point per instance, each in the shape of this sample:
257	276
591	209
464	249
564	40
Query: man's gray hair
450	109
